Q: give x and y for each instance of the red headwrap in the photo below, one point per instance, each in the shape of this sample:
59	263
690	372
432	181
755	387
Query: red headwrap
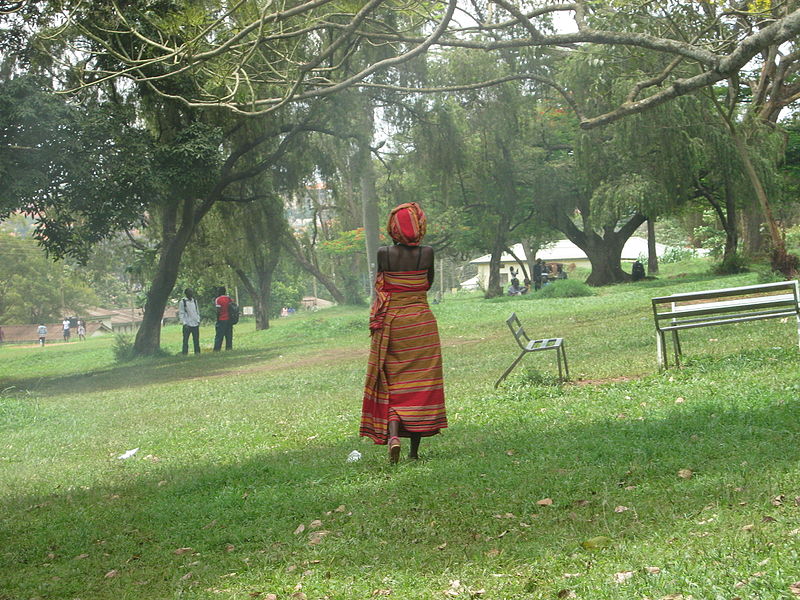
407	224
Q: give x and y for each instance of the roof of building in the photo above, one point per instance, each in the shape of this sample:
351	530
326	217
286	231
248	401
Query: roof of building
566	251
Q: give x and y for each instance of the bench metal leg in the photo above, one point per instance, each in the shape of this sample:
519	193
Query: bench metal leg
564	354
509	369
676	347
662	358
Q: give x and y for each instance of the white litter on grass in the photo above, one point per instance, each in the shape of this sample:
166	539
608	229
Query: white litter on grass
128	454
354	456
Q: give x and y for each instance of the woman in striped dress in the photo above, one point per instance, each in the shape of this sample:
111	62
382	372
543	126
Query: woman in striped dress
404	391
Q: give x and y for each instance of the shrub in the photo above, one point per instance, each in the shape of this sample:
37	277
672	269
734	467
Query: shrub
564	288
123	347
673	255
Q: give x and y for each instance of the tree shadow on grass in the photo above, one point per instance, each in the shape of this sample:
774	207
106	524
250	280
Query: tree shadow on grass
162	369
474	495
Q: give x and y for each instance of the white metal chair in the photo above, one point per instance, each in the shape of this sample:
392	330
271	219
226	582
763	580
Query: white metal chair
528	345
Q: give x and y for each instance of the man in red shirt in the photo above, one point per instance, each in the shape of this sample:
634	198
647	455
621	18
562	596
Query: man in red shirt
224	327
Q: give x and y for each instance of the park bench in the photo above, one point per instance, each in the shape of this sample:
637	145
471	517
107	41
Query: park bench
528	345
720	307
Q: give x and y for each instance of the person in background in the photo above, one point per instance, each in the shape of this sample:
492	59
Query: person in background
560	272
81	331
538	269
637	271
189	316
42	332
526	286
65	325
404	386
224	327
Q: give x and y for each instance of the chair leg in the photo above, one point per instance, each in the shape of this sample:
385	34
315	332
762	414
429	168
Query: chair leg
564	354
509	369
558	360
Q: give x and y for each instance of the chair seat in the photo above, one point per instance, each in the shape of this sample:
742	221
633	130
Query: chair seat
543	344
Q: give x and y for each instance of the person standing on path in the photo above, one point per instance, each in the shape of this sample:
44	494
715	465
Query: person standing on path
404	387
65	325
81	331
42	332
189	316
224	327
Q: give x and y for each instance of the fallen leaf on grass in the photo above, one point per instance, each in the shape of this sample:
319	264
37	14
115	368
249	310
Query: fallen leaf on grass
570	575
505	516
581	502
748	527
675	597
441	546
316	537
622	576
493	552
229	547
111	573
685	473
187	576
299	596
680	400
315	524
795	588
271	597
620	509
381	592
210	525
180	551
768	519
339	508
80	556
778	500
653	570
566	594
300	529
511	452
454	589
545	502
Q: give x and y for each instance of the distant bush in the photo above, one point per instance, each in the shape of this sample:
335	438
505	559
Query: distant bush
565	288
123	347
673	255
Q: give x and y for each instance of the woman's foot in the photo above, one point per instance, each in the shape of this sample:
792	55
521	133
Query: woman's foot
394	450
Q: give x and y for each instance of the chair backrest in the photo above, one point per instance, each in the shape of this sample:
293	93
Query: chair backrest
517	331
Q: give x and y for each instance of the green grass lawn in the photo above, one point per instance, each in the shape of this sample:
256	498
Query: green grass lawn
241	489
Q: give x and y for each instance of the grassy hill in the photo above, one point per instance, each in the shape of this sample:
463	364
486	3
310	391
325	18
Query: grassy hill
240	487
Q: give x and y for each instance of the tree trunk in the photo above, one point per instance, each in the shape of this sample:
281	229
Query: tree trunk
369	198
604	253
652	253
493	288
782	261
531	246
606	258
293	247
148	338
731	231
750	225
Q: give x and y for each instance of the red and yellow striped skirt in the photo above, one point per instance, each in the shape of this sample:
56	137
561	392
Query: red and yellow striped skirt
404	373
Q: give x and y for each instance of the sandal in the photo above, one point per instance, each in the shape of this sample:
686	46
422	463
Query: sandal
394	450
